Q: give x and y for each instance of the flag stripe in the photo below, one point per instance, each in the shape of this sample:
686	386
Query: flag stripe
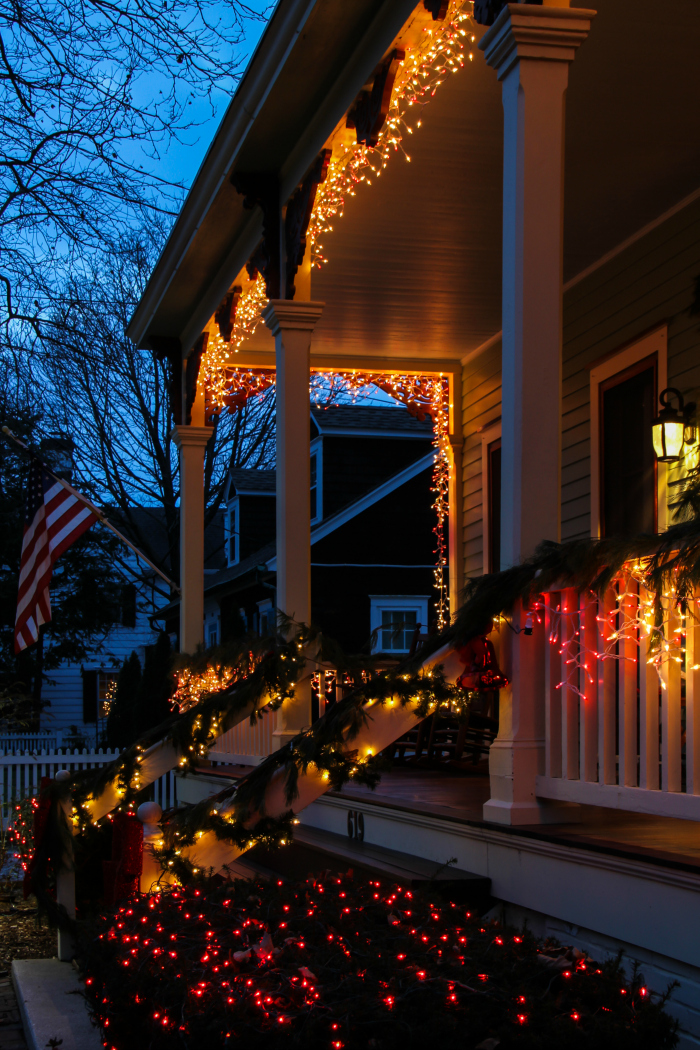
54	519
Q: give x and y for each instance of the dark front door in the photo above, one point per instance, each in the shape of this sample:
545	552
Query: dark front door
628	464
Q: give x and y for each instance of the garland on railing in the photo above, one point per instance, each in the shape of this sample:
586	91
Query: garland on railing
236	815
668	566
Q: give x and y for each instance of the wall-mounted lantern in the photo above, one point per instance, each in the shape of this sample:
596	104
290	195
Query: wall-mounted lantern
671	428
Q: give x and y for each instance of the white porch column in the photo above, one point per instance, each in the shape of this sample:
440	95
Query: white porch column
292	322
191	441
531	48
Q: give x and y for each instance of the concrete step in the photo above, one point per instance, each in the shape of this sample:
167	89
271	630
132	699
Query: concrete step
52	1006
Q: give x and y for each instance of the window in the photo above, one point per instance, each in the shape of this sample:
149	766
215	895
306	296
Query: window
628	464
628	487
213	634
233	533
106	691
127	601
491	496
316	487
266	616
394	620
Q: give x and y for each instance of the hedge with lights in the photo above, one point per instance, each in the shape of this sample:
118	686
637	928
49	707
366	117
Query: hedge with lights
340	963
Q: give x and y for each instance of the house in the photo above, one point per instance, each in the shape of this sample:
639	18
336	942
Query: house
77	696
545	270
371	468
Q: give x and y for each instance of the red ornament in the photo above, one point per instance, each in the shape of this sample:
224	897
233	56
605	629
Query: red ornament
481	670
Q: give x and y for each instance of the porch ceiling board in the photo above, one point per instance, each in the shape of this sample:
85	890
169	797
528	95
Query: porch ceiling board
415	263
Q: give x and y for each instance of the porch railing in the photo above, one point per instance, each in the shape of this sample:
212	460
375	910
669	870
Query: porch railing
622	702
248	743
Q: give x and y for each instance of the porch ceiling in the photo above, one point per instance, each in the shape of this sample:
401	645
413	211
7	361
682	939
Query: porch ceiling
415	262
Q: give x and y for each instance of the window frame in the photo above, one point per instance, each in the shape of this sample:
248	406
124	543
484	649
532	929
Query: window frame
380	603
624	363
233	531
317	453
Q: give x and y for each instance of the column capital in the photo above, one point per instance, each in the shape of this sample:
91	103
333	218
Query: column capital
544	33
191	437
291	314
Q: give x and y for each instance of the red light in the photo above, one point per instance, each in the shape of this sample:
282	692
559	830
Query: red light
522	1018
400	956
421	974
521	999
575	1017
623	991
643	992
566	973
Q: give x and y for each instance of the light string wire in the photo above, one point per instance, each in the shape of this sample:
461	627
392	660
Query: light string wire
636	627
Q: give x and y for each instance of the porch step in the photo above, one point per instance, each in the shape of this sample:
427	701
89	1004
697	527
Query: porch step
314	850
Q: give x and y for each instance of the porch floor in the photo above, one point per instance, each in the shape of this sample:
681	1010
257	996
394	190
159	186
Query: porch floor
459	795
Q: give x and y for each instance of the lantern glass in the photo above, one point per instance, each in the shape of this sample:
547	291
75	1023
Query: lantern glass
668	438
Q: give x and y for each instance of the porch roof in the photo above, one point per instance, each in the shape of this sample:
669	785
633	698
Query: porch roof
415	264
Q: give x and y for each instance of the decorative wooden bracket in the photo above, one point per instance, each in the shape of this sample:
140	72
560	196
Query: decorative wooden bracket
192	374
437	8
225	316
369	112
167	348
296	221
262	188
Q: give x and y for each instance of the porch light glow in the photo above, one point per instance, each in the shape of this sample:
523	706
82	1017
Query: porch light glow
669	426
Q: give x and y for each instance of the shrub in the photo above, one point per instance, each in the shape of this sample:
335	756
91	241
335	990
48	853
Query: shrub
343	964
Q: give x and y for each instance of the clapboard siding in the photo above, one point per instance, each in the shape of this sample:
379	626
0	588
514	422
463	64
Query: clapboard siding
481	404
64	690
651	282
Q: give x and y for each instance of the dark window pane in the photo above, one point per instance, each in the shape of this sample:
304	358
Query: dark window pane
89	696
628	464
494	519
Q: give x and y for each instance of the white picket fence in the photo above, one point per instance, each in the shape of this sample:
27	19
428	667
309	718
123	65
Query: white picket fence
21	773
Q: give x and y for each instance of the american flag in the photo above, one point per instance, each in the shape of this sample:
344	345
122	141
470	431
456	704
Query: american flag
54	518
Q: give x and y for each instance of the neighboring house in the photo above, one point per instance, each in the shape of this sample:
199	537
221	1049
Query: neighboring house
372	539
542	251
76	695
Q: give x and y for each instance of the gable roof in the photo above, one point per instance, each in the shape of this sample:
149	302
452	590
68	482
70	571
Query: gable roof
252	482
361	420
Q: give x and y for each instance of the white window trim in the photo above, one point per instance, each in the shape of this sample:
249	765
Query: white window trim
380	603
653	343
317	450
233	527
491	434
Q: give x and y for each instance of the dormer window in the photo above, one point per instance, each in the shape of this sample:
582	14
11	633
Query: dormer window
233	547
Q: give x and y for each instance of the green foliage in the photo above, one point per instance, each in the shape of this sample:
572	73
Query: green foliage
84	589
123	715
342	963
156	688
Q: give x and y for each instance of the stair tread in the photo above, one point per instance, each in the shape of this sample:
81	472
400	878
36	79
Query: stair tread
400	865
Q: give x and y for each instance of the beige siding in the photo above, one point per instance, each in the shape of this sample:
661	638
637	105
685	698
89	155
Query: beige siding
481	405
652	282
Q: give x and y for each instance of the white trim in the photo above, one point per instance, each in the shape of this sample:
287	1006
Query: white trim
653	343
368	500
317	451
488	436
611	796
380	603
233	514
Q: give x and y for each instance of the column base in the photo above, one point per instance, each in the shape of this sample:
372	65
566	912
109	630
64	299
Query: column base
539	812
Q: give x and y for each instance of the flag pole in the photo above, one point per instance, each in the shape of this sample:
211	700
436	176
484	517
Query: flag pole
91	506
